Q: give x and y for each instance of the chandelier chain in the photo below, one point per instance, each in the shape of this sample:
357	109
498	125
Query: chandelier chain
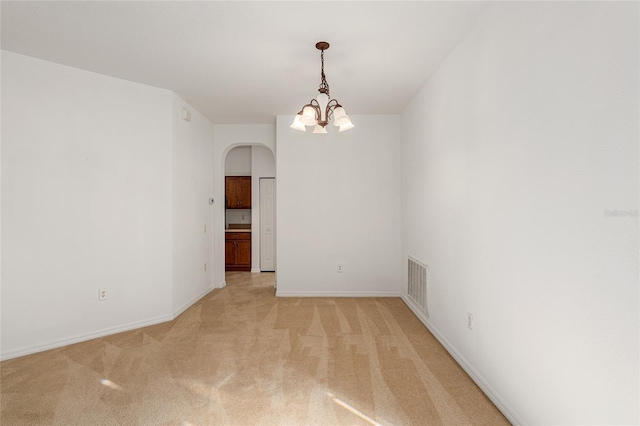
323	82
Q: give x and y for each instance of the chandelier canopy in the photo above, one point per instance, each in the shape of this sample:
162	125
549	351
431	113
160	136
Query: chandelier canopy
319	110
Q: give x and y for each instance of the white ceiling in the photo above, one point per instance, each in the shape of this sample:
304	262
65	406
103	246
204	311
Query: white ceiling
246	62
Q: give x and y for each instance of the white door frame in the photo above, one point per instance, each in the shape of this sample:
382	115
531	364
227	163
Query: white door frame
267	224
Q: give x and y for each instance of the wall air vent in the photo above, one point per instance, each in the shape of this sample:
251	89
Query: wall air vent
417	285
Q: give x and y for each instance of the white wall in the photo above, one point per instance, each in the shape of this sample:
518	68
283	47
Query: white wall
235	216
238	162
338	197
192	224
227	137
512	155
86	188
263	164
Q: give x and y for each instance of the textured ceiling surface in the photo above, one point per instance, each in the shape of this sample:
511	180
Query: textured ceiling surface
246	62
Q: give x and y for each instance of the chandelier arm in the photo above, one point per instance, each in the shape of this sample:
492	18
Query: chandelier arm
316	107
333	104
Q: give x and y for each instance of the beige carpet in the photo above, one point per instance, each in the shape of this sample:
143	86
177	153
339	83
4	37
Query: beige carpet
240	356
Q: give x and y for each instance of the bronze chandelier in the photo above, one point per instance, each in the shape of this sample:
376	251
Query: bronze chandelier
319	110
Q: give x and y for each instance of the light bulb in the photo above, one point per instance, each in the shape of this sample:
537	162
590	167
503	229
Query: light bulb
346	126
338	116
308	116
319	129
323	100
297	124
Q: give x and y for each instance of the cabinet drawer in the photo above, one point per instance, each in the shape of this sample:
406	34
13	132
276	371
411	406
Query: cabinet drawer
238	236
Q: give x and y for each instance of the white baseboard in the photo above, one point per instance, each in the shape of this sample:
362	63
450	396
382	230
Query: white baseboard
188	304
337	293
482	383
83	337
223	284
104	332
256	271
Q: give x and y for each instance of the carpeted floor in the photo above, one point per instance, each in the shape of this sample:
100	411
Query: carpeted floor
241	356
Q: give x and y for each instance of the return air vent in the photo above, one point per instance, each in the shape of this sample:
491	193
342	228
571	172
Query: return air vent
417	285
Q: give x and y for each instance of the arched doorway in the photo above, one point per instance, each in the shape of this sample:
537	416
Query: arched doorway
256	161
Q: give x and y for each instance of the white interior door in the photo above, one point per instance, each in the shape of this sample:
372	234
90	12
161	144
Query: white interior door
267	225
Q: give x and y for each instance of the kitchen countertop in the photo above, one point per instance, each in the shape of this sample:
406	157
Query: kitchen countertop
237	230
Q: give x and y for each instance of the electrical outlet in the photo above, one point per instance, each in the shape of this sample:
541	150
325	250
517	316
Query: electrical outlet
340	269
102	294
470	320
205	266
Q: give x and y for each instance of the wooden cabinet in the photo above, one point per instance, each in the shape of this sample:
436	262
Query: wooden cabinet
238	192
237	249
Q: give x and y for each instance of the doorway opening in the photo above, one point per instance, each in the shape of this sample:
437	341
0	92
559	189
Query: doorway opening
249	209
